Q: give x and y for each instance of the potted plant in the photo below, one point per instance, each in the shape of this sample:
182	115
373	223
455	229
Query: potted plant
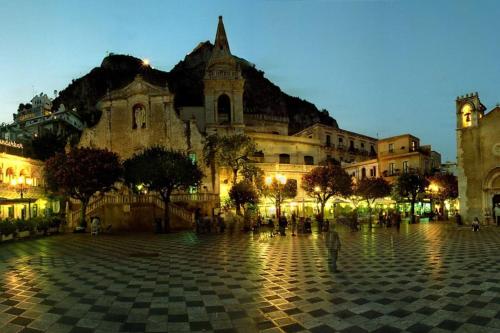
54	223
7	230
24	227
42	225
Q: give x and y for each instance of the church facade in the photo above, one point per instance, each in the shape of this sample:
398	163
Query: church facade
478	158
142	114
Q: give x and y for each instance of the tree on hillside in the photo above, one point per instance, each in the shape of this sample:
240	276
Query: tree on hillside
444	186
81	173
371	189
279	189
232	151
243	193
163	171
410	185
324	182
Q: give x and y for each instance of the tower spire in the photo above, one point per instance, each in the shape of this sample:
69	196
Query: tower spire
221	43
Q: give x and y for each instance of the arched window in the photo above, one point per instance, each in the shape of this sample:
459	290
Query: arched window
284	159
224	109
9	174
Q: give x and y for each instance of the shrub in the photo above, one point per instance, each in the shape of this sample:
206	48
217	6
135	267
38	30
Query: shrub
7	227
24	225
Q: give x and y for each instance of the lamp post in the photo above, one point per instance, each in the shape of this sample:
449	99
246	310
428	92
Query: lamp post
21	185
279	180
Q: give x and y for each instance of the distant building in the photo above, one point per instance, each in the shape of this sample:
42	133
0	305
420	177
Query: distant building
403	153
478	158
22	192
37	118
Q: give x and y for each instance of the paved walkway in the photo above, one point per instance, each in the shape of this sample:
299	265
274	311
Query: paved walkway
427	278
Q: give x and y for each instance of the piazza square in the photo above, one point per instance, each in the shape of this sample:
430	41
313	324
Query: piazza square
266	166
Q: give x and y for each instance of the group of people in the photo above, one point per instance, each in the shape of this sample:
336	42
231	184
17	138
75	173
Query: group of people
389	219
205	224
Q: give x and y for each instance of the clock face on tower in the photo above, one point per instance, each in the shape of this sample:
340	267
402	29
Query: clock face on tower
466	115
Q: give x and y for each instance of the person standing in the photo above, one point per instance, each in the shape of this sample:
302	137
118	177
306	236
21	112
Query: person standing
475	224
333	245
497	214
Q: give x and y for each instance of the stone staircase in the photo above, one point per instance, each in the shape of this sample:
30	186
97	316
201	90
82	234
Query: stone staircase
132	201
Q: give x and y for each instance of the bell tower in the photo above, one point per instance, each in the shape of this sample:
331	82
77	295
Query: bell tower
223	88
469	111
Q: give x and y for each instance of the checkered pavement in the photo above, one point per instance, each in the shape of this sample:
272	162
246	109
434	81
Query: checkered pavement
426	278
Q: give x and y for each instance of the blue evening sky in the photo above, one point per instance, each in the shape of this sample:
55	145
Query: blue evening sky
380	67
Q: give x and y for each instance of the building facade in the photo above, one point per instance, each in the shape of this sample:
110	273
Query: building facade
478	158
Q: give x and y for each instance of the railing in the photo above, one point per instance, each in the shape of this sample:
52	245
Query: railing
203	197
117	199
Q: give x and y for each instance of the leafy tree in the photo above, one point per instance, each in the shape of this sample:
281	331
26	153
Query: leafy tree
371	189
232	151
81	173
324	182
243	193
446	185
279	192
410	185
163	171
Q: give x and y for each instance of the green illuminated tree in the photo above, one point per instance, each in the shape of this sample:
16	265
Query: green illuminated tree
231	151
371	189
278	191
446	185
324	182
243	193
410	185
163	171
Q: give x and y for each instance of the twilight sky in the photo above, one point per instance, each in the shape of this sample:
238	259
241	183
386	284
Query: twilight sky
381	68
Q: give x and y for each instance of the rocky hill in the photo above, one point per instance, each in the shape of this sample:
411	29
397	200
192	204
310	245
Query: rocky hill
185	80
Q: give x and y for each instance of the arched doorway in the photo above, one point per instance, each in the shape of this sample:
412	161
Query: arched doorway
224	109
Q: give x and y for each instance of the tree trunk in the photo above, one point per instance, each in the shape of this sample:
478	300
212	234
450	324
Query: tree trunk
213	172
412	209
85	203
238	208
235	176
369	215
322	210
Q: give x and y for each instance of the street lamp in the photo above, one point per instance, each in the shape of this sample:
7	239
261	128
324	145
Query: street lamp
21	186
279	180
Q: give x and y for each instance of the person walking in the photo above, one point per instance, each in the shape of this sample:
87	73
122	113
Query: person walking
294	224
497	214
282	225
398	220
333	244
